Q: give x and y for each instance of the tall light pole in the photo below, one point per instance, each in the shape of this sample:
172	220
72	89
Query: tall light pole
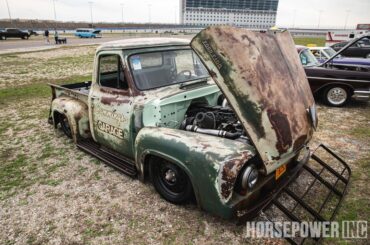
318	24
149	12
347	15
55	12
122	5
91	5
10	17
175	12
294	14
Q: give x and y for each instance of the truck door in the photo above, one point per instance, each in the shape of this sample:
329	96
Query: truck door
111	104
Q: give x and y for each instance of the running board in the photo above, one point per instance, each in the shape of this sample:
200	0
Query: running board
332	174
115	160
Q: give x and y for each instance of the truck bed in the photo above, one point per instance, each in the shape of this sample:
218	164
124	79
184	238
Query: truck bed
79	91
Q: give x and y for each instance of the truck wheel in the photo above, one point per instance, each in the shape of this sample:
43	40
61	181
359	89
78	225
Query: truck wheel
336	96
170	181
64	124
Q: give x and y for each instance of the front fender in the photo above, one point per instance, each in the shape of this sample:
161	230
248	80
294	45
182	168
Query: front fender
212	163
77	113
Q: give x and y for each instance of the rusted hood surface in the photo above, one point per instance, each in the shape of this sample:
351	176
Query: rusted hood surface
264	82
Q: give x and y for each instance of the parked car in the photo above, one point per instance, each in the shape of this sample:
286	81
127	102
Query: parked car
234	140
360	49
322	54
87	33
13	33
334	85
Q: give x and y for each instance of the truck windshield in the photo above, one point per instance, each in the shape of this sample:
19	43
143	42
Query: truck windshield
164	68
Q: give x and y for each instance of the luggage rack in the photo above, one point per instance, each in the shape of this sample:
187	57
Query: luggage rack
295	206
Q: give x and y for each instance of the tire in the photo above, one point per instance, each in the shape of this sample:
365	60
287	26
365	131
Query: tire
367	56
65	126
170	181
336	96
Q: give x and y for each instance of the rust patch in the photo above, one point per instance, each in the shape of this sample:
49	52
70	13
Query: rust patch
281	126
114	91
230	173
299	142
106	100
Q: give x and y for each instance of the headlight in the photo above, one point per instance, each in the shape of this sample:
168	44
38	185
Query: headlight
249	177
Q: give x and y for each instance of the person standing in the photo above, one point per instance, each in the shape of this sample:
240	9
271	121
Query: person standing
46	34
56	35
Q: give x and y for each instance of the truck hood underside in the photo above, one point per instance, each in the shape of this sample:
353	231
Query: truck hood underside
264	82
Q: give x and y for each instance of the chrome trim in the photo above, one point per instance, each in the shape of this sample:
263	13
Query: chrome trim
338	79
363	95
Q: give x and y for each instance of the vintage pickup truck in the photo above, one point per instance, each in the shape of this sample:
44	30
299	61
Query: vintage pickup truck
198	119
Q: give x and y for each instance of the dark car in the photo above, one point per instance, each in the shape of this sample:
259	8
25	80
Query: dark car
360	49
13	33
334	85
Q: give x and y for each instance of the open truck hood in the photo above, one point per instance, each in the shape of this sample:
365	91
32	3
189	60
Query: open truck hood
264	82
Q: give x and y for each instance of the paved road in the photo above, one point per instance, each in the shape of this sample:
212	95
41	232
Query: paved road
10	45
38	43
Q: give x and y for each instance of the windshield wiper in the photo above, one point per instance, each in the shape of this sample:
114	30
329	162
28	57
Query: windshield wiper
195	82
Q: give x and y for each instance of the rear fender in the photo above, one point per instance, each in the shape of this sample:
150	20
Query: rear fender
77	113
212	163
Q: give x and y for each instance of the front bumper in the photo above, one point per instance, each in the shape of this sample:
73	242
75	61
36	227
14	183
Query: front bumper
361	94
324	174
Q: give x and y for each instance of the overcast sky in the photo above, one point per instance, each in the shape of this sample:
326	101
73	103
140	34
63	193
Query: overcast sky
300	13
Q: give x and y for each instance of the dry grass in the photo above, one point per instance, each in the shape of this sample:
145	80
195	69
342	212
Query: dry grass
52	193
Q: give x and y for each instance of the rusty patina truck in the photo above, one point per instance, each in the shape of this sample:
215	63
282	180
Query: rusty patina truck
225	118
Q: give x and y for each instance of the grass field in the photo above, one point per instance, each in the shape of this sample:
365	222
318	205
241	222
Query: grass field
309	40
52	193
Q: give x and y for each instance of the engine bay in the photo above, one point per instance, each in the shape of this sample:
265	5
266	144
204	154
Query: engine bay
219	120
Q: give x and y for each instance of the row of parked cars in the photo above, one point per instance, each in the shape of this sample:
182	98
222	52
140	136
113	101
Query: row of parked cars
17	33
335	77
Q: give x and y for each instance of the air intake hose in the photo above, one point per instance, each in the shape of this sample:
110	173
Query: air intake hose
214	132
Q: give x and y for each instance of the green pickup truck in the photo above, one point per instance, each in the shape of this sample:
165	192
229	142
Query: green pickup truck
223	119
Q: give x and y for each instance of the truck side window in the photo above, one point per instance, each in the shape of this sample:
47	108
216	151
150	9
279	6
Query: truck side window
111	72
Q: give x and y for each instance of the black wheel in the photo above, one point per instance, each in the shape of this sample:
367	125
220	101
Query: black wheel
170	181
64	124
336	96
